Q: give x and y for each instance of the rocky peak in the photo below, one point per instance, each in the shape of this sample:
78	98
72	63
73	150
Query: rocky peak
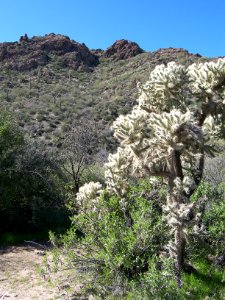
165	55
30	53
123	49
173	52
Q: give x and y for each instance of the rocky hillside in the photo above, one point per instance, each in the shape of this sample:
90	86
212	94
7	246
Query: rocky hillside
50	81
29	53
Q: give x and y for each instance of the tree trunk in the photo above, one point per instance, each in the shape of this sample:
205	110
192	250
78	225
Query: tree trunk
176	198
179	243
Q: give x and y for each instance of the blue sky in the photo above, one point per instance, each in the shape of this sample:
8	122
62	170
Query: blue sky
196	25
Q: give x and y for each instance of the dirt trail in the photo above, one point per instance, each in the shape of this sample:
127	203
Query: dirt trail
22	278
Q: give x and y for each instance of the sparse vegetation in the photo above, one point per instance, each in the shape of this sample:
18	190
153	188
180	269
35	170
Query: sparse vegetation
55	135
109	91
152	238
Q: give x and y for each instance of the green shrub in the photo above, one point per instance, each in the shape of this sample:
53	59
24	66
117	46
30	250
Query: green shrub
120	245
31	182
213	216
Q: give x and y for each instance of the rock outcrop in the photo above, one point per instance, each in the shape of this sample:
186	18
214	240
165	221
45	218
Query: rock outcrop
38	51
29	53
123	49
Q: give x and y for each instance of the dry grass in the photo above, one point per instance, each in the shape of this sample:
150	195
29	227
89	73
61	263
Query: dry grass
22	277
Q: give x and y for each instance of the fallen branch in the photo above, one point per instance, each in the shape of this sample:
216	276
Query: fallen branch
42	247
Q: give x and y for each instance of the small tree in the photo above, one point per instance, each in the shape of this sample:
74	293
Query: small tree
180	111
79	149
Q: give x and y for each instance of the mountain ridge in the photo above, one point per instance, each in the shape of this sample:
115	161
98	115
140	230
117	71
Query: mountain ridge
30	53
75	82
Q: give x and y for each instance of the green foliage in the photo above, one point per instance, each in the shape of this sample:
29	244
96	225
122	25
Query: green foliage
213	215
94	172
11	143
120	244
207	282
31	183
129	262
214	220
10	139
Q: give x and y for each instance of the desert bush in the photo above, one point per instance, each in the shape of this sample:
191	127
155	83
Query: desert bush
31	182
119	245
166	135
214	171
208	237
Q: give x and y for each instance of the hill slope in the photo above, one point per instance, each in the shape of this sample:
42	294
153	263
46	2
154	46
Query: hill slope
50	81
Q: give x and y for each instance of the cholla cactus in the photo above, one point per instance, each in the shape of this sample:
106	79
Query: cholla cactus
87	197
117	171
166	134
208	78
162	91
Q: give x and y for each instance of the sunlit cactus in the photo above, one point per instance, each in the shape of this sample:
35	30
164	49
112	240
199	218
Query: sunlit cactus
166	135
87	197
117	171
